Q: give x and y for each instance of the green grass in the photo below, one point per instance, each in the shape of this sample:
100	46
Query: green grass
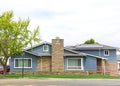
72	76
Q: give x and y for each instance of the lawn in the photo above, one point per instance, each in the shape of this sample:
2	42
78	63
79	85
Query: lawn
37	76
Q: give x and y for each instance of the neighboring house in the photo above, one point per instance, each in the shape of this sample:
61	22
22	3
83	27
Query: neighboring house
55	58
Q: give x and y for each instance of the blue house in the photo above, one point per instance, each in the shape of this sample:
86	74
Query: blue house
55	58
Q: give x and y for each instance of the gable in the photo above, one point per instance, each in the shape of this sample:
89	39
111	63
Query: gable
40	49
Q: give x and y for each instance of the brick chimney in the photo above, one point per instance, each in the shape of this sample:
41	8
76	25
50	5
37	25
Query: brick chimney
57	55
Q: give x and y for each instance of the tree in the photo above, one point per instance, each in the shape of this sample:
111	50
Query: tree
90	41
14	36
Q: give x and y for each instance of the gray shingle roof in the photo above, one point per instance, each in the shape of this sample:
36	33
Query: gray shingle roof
72	48
90	47
76	53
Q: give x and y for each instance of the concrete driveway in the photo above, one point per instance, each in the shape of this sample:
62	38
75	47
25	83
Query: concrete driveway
59	82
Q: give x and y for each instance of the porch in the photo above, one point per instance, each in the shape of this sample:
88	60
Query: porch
106	68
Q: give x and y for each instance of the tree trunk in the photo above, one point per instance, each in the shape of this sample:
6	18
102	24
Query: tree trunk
5	68
4	71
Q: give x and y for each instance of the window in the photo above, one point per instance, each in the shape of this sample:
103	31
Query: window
106	52
75	64
18	62
45	48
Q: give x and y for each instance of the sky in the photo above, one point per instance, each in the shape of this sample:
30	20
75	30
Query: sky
75	21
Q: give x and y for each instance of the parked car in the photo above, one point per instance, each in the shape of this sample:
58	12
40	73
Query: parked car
7	70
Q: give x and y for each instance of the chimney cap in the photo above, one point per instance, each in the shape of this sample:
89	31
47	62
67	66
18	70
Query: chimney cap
57	37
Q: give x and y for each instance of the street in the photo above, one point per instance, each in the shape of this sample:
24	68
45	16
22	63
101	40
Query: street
59	82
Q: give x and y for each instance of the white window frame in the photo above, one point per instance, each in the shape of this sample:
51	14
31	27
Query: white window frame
22	58
82	68
44	48
106	54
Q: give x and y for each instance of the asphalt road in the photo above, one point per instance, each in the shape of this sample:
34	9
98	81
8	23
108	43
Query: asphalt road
59	82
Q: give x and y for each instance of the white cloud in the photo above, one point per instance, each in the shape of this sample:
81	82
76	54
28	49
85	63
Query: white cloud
73	20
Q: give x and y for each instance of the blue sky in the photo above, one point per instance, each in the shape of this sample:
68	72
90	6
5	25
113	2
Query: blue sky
73	20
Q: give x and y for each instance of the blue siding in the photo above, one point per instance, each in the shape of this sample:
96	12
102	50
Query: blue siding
110	58
93	52
39	50
89	63
34	63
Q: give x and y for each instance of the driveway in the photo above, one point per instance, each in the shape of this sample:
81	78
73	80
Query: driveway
59	82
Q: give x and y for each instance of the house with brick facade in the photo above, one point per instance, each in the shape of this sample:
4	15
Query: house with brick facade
55	58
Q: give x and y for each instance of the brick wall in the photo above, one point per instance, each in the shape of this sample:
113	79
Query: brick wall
111	67
44	64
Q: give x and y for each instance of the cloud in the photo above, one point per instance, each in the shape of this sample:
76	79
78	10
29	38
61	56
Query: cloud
73	20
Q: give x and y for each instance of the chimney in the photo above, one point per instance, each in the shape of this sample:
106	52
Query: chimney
57	55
